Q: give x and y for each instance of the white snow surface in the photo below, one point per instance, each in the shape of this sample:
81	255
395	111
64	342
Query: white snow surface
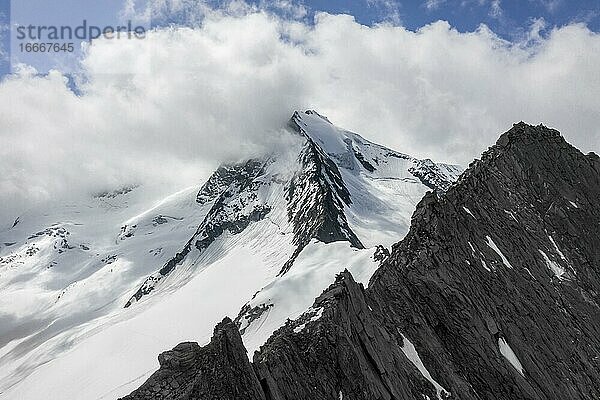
66	271
553	266
383	200
468	212
411	353
316	315
560	253
483	263
512	215
115	361
77	332
293	293
510	355
493	246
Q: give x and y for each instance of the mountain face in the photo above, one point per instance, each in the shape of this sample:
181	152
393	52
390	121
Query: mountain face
493	294
91	290
312	192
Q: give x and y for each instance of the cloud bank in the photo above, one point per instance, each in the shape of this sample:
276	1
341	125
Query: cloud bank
167	109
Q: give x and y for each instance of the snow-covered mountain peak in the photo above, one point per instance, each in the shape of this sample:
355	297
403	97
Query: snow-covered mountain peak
354	153
493	294
318	128
264	235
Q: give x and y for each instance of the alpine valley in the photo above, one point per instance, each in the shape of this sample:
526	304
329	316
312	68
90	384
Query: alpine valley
338	270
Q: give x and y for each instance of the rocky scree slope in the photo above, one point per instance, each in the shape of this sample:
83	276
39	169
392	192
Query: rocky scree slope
493	294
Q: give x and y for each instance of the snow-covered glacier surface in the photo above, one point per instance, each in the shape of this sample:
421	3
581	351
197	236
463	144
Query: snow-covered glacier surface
183	263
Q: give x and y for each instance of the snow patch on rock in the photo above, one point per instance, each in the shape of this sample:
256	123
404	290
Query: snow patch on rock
508	353
411	353
493	246
556	269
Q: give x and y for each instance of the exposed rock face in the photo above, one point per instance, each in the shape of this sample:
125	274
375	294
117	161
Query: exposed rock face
217	371
226	175
334	350
493	294
337	349
433	175
511	255
316	198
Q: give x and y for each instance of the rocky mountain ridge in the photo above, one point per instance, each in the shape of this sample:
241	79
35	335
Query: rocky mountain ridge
493	294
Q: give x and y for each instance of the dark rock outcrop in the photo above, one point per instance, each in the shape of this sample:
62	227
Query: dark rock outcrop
432	175
316	199
510	254
231	193
318	193
338	350
225	176
493	294
217	371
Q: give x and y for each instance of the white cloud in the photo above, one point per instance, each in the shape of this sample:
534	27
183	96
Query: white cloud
223	90
190	12
288	7
496	9
535	32
433	4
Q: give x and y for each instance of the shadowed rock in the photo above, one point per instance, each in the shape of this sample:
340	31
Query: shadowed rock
217	371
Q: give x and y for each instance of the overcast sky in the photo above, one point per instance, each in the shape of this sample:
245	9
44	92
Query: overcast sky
167	109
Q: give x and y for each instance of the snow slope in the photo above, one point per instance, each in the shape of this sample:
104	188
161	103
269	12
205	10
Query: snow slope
292	294
74	265
136	336
91	292
385	185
